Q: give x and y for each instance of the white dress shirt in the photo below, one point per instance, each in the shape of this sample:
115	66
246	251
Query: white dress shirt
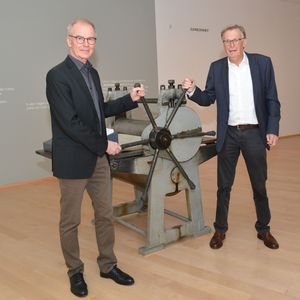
241	100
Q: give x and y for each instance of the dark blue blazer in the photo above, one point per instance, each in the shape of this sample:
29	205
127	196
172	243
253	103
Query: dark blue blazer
76	137
267	105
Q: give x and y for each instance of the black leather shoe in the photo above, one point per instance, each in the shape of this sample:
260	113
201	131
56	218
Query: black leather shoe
118	276
78	285
216	241
268	239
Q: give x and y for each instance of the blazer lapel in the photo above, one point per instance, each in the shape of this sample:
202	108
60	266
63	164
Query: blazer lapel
97	85
254	69
96	80
99	90
224	72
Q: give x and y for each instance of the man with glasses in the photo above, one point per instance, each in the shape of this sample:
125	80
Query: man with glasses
80	149
248	113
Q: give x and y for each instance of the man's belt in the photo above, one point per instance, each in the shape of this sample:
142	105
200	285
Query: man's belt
245	126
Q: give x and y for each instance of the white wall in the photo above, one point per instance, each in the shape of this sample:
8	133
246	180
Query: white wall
272	27
33	34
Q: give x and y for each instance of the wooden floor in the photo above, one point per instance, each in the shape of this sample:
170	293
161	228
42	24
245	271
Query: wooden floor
32	266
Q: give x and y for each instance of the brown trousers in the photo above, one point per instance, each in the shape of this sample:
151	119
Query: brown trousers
99	188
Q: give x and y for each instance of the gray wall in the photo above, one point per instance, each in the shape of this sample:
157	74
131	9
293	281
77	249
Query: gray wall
33	41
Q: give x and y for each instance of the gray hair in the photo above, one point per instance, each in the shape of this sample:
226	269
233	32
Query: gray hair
85	21
231	27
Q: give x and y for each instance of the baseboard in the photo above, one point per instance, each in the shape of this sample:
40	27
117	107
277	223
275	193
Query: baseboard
28	182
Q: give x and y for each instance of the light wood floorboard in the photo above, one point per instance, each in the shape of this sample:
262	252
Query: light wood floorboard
32	266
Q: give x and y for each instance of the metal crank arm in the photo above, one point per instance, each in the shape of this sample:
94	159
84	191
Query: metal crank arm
137	143
192	133
174	111
150	174
147	109
180	168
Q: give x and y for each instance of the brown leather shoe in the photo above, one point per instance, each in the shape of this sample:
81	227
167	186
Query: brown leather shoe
268	239
216	241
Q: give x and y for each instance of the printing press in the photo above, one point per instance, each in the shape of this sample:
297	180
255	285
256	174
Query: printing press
160	157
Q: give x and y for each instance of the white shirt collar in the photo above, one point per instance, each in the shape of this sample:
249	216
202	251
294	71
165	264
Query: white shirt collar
245	61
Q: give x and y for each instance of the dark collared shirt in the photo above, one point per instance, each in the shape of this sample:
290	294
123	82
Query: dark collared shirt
85	70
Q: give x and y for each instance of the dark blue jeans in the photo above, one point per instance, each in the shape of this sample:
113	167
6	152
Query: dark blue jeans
250	144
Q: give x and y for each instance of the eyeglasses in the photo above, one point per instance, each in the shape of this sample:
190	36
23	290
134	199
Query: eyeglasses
232	42
81	39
